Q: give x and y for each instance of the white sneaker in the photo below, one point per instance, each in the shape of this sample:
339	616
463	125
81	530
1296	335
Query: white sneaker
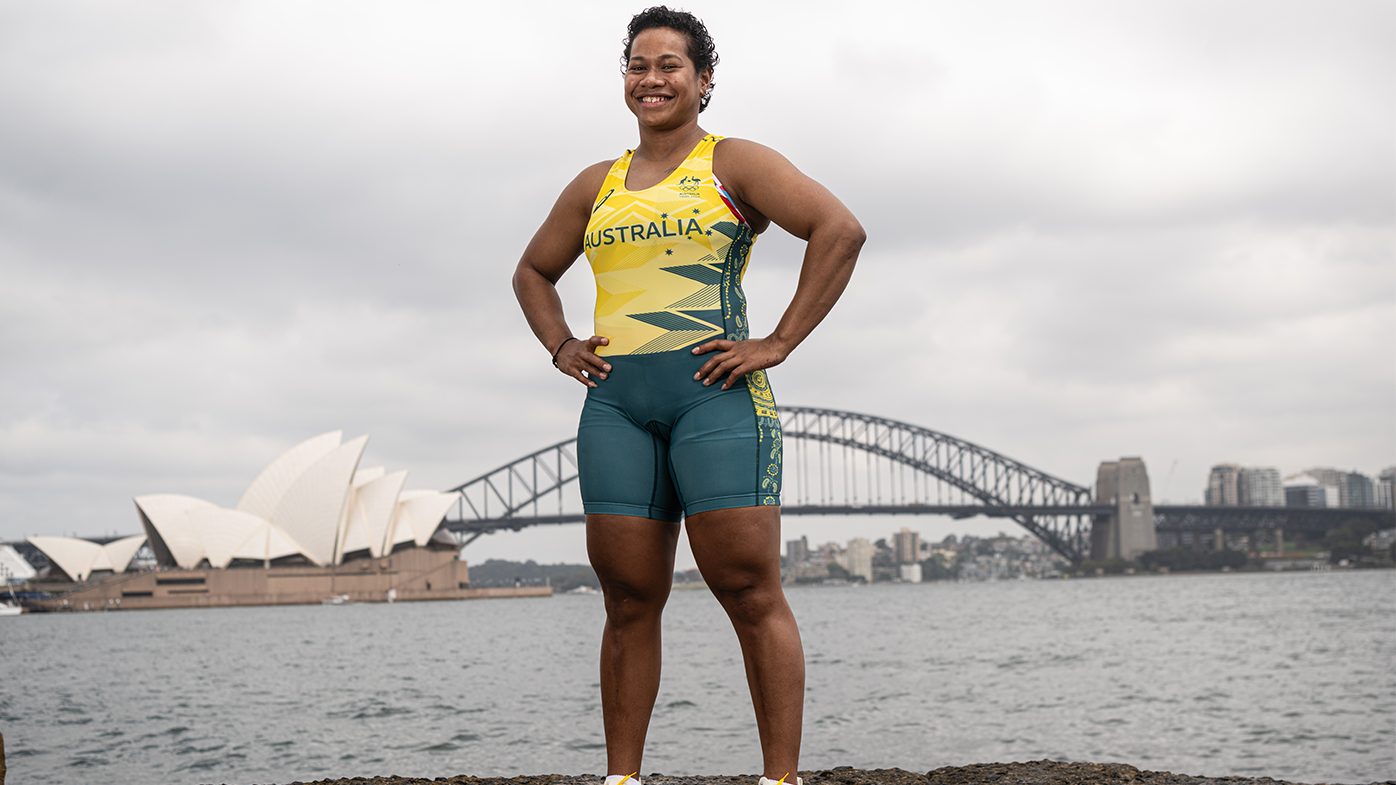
629	779
780	781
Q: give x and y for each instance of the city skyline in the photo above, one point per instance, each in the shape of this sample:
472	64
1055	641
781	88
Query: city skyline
1231	484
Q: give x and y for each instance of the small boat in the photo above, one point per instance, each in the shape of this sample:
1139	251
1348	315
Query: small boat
11	606
583	590
338	599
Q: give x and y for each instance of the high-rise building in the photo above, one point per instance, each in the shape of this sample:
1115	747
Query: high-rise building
906	546
1329	477
1358	490
1260	486
1384	493
1354	489
1224	485
858	557
796	551
1305	490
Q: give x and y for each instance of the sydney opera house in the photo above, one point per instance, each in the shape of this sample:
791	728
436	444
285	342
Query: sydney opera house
312	527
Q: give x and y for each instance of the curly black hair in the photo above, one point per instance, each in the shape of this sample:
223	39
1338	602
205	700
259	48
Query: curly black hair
701	49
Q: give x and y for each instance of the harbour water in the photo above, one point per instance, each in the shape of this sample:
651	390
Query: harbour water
1291	676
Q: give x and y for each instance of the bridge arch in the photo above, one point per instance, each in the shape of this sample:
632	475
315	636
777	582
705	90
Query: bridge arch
861	465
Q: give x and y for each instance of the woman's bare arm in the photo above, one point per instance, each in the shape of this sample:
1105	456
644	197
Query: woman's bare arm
764	181
553	249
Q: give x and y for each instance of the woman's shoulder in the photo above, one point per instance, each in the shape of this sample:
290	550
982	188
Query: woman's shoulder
736	161
735	145
584	186
596	173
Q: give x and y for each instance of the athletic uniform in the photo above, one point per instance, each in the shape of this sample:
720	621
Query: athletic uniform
668	262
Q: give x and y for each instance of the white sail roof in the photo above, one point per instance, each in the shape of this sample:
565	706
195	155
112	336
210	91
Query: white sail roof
78	558
223	532
266	543
269	488
370	513
419	513
310	510
312	500
167	518
121	552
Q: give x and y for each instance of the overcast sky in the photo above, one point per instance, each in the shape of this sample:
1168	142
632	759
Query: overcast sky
1096	229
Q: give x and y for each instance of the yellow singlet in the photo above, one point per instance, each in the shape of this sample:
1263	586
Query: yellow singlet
668	260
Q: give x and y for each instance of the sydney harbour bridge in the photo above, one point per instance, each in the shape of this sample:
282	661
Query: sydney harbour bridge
843	463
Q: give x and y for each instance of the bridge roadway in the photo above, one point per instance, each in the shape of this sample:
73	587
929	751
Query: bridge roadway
844	463
1167	518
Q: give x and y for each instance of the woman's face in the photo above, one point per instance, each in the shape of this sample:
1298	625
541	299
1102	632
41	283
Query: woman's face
662	88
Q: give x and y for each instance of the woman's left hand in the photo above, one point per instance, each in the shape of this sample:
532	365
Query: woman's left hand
736	358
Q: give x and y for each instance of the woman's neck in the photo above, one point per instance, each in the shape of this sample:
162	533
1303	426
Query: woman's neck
666	145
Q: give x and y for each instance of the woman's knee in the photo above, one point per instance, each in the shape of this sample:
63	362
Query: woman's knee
749	602
627	603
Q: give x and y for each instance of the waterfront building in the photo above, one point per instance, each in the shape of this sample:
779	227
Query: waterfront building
906	546
1305	490
1384	492
1224	485
1231	484
814	568
796	551
312	505
910	573
412	573
1261	486
1354	489
858	558
1358	490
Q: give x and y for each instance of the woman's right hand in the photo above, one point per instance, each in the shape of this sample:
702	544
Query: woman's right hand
577	358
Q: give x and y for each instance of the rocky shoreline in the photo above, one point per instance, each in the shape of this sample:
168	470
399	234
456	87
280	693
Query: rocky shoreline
1043	772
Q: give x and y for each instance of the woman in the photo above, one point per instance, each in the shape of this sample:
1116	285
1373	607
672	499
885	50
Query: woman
680	421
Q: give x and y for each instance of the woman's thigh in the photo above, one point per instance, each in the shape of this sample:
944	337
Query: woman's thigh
633	557
737	549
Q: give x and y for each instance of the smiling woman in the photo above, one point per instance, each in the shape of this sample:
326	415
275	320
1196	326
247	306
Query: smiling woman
680	421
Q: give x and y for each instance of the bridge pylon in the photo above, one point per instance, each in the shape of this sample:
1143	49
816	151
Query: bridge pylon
1129	530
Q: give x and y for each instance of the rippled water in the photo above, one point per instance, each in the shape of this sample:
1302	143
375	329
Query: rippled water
1291	676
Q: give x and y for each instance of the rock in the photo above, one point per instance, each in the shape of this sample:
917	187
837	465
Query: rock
1042	772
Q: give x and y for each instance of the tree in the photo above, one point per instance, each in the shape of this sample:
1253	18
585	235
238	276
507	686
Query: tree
1346	541
938	568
